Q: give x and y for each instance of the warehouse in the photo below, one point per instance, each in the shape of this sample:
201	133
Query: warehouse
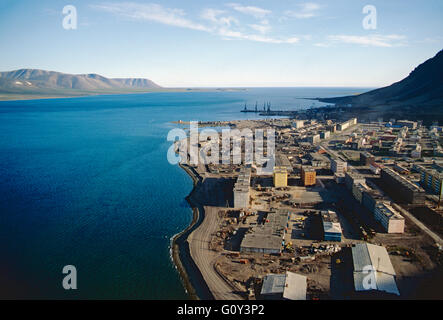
331	226
267	237
288	286
367	257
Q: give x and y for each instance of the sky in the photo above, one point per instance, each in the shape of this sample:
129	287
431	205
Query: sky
238	43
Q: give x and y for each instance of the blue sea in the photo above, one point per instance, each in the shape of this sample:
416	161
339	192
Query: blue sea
86	182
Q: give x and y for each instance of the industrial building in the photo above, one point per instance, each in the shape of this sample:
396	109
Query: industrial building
267	237
331	226
242	188
389	218
338	166
371	262
308	176
288	286
402	189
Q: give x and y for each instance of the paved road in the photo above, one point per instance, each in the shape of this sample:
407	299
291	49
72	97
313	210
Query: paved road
204	258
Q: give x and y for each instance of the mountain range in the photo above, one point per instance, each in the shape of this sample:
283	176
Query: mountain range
31	82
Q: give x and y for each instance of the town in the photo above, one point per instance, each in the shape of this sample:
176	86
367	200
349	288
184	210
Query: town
344	197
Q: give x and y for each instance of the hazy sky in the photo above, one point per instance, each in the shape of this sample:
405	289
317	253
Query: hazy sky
216	43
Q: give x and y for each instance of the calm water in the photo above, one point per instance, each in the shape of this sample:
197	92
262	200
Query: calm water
86	182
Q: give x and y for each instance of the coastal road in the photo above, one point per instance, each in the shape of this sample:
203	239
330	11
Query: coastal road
204	258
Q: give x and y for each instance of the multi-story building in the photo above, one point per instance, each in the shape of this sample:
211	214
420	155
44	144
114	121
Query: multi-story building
389	218
281	169
347	124
407	123
370	199
338	166
401	188
299	124
352	178
431	179
313	139
325	134
357	191
280	177
308	176
242	189
366	158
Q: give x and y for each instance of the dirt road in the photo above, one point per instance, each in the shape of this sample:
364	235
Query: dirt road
204	257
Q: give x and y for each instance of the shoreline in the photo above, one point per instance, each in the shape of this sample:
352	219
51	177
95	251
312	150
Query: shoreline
25	97
196	287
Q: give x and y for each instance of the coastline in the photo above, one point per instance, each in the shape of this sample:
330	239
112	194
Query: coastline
194	285
43	96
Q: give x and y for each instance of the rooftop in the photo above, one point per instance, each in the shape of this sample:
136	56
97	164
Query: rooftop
291	286
366	257
268	235
388	211
282	160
